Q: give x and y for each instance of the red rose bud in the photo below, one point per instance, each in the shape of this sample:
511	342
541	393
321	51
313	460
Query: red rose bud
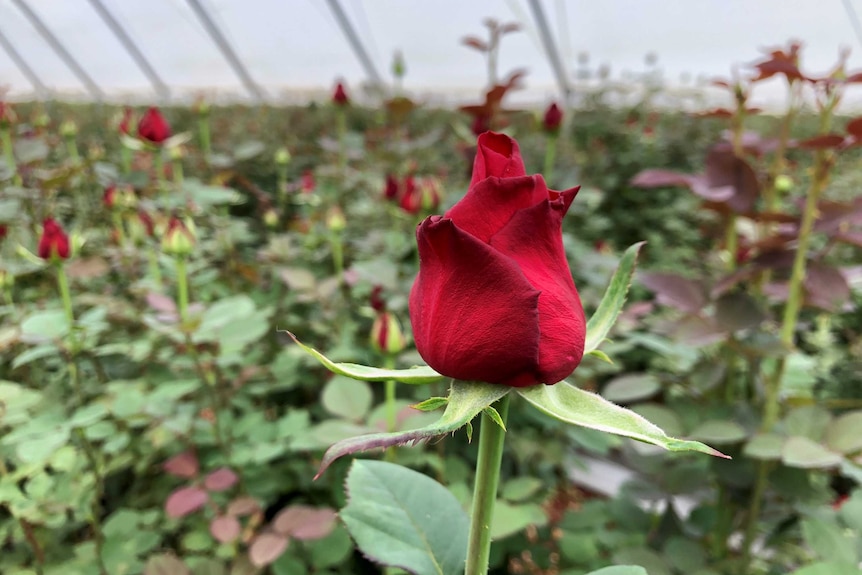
153	127
179	239
54	243
494	299
308	184
420	194
339	97
387	337
553	119
125	124
4	231
109	196
376	300
140	227
390	192
481	124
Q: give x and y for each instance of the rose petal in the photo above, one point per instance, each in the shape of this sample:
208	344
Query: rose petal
490	204
497	155
474	314
533	239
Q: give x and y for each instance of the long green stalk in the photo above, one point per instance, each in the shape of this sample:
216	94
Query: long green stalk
491	438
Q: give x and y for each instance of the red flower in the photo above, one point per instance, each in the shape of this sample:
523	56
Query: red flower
553	119
494	300
4	230
390	192
125	123
109	196
420	194
54	242
339	97
153	127
376	299
308	184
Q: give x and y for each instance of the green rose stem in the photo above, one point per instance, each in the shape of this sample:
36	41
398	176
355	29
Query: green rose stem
6	140
341	127
72	149
204	133
182	289
126	159
550	156
159	163
74	379
491	438
772	404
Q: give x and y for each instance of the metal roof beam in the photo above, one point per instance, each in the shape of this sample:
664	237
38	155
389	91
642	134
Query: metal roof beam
551	50
61	51
355	43
226	49
160	87
22	64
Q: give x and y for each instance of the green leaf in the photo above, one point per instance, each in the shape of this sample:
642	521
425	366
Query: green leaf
431	404
401	518
467	399
609	309
45	325
567	403
828	568
494	416
807	454
631	387
765	446
829	541
413	375
843	433
509	519
347	397
719	431
521	488
620	570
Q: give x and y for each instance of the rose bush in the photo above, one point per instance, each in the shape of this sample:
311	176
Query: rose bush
494	299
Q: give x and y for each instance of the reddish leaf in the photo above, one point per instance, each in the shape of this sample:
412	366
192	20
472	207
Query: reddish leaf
676	291
221	479
725	170
225	528
854	127
714	113
243	506
161	303
165	565
697	331
853	238
824	142
305	523
660	179
736	311
183	465
266	548
825	287
474	42
185	500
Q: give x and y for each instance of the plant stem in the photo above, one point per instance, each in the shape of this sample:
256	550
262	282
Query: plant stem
204	132
126	159
337	247
341	126
550	155
6	140
391	414
491	438
65	296
182	289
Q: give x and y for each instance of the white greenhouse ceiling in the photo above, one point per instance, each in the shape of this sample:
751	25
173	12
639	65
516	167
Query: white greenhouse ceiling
293	50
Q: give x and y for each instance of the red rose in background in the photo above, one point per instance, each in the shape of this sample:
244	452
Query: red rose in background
3	231
109	197
54	242
153	127
494	300
307	183
553	119
339	97
420	194
390	192
126	122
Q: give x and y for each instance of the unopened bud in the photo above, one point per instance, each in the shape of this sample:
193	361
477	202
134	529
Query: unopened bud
282	156
68	129
176	153
270	218
386	334
399	68
180	237
7	280
783	183
335	219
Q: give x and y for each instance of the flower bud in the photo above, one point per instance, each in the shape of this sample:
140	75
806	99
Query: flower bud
180	238
201	106
282	156
339	97
270	218
53	243
553	119
176	153
4	231
399	68
41	121
124	126
335	220
783	183
68	129
390	192
153	127
376	300
420	194
7	116
308	183
140	227
387	337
